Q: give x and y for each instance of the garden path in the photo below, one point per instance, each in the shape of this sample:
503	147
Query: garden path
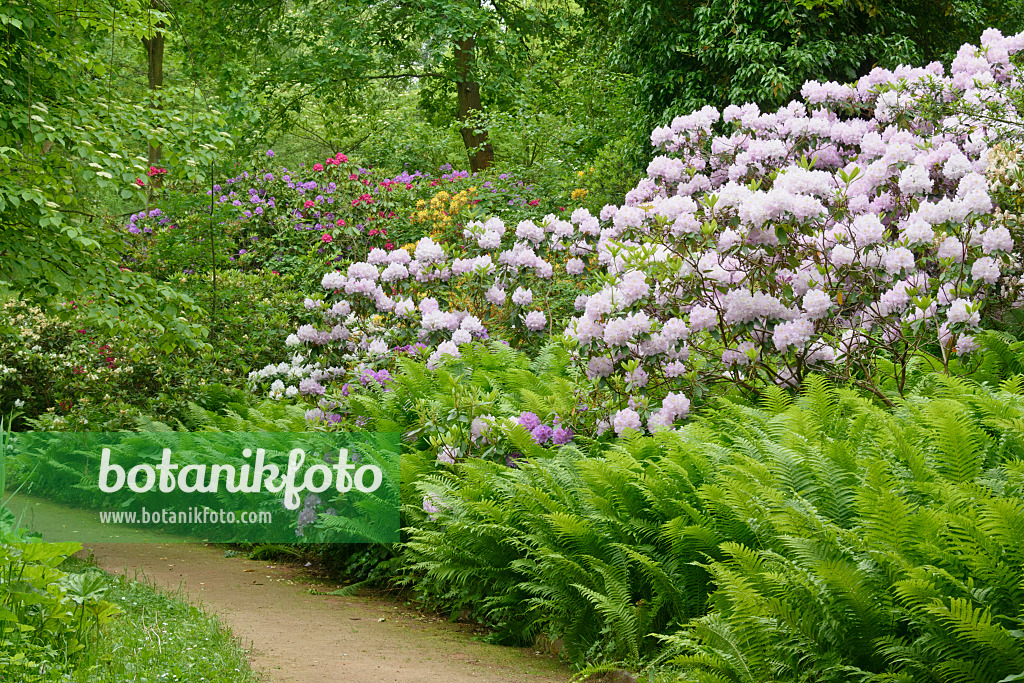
297	635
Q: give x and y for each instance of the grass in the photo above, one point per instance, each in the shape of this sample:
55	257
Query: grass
161	638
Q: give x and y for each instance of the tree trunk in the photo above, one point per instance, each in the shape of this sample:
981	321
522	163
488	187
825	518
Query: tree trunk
481	154
155	61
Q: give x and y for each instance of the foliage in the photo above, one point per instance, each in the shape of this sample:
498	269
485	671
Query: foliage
52	364
66	138
881	550
575	548
49	618
267	217
567	114
807	539
467	51
470	407
72	375
686	55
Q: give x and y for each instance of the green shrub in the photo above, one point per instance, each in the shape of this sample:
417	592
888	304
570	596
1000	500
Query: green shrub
70	375
48	618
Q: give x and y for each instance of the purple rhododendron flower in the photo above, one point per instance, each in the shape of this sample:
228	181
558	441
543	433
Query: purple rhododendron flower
561	436
529	420
541	434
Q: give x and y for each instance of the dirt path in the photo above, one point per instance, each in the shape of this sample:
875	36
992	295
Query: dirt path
300	637
306	638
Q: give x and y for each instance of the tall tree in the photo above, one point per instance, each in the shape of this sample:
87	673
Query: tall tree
461	54
70	141
154	46
478	144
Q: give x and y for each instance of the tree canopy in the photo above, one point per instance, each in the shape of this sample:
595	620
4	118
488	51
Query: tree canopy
70	144
691	53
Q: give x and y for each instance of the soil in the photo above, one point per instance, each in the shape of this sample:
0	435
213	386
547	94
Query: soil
296	634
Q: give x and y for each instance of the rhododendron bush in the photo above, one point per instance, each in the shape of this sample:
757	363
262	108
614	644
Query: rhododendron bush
421	295
854	225
291	220
843	234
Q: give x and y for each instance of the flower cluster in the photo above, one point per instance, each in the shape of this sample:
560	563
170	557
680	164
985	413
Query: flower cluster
410	287
62	368
555	433
859	223
147	221
442	209
376	309
335	211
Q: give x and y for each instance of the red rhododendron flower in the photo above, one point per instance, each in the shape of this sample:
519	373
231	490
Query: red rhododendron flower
341	222
318	167
140	182
534	202
309	203
326	238
341	158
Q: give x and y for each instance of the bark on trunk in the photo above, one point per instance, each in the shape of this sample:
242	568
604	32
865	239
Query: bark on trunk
155	62
481	154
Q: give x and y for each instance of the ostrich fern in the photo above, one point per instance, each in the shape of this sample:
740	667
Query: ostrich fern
918	578
820	538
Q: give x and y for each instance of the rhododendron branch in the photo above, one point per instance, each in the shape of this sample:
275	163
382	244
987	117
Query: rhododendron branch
871	388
